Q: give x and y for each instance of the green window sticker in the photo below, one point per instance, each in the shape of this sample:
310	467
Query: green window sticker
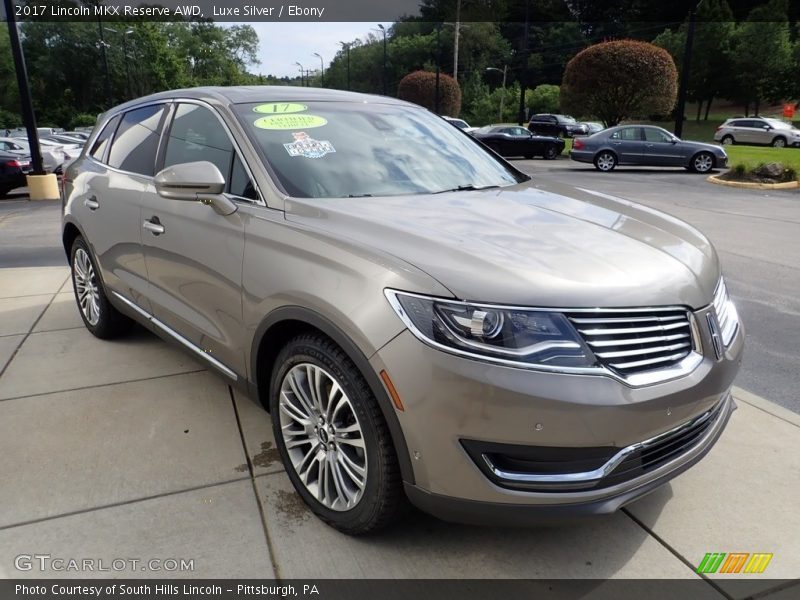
280	108
290	122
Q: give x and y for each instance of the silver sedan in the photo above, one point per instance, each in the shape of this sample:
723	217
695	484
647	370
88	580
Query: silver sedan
646	145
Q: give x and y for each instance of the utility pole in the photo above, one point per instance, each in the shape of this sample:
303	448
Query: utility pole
687	62
24	90
457	28
385	82
347	52
523	73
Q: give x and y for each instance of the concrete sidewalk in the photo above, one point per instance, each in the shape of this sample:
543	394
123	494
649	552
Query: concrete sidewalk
132	449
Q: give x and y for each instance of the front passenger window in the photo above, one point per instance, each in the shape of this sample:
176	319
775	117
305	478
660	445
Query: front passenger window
195	135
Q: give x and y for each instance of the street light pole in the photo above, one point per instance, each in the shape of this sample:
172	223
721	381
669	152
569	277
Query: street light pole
347	52
302	82
383	29
504	71
321	69
24	90
457	28
436	100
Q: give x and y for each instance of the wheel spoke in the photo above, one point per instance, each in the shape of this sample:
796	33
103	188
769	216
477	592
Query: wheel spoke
353	471
300	393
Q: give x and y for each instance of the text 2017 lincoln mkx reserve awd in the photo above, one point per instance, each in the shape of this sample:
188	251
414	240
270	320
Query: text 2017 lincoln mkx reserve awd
423	321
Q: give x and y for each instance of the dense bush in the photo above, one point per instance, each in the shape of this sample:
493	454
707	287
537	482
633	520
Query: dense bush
420	87
9	120
82	120
620	80
543	99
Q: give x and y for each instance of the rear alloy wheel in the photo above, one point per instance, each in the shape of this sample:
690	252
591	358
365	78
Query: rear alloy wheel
101	319
550	153
332	437
779	142
605	161
728	140
702	162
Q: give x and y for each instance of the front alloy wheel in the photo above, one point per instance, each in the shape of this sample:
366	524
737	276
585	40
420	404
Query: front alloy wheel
332	436
779	142
703	162
323	436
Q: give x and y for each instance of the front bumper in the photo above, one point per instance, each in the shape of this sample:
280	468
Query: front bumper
449	400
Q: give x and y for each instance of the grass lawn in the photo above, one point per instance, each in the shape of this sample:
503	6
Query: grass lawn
752	156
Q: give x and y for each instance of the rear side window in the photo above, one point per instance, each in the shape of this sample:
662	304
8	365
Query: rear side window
98	150
629	134
136	142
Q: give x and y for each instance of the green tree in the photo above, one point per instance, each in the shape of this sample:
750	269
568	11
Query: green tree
618	80
543	98
762	56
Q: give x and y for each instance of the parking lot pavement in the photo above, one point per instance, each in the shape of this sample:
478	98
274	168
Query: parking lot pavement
130	449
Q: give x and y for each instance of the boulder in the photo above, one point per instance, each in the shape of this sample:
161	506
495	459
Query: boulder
773	170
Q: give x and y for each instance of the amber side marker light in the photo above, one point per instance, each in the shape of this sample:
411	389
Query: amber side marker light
392	392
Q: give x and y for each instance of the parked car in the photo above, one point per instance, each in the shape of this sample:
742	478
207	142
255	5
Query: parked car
66	140
52	159
511	140
421	319
646	145
460	123
13	171
81	135
593	127
63	153
758	131
556	125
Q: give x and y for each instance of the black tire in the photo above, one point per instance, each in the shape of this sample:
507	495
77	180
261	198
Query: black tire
383	499
779	142
110	323
703	162
4	192
550	153
529	156
728	140
605	161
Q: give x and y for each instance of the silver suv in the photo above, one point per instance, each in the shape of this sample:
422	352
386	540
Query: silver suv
421	320
758	131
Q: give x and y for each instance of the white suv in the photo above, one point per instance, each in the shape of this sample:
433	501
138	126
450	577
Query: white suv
758	131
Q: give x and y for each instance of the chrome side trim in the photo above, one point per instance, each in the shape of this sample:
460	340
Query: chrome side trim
679	369
576	479
177	337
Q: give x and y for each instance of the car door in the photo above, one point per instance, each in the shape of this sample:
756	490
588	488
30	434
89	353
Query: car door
519	140
116	170
660	149
628	143
752	132
193	254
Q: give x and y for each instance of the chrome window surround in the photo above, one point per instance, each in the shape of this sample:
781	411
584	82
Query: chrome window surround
679	369
565	481
162	140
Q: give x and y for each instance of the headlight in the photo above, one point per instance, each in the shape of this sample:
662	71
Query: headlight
503	334
727	316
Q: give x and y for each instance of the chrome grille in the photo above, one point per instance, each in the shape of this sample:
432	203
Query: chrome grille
633	342
727	316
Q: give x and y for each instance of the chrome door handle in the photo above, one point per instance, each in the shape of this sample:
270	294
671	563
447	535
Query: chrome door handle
91	203
154	226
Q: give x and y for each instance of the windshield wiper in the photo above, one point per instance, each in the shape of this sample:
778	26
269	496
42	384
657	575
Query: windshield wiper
467	188
359	195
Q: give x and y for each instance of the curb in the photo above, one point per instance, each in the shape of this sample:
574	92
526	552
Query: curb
775	410
788	185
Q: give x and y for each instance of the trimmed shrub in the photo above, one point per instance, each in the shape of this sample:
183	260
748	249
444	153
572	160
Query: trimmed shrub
620	80
419	87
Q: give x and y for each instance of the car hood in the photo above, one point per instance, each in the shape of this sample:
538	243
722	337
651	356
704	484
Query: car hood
530	246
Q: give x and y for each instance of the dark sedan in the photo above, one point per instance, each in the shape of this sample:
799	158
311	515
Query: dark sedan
645	145
511	140
13	169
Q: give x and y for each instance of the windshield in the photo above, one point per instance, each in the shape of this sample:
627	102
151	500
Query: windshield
351	149
777	124
567	119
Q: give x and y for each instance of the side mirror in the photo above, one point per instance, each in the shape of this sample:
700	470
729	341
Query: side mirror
767	127
195	181
674	140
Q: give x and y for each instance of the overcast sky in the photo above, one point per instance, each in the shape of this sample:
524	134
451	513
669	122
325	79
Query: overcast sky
283	44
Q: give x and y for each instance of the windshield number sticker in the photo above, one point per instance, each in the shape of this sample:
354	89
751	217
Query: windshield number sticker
296	121
303	145
280	107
